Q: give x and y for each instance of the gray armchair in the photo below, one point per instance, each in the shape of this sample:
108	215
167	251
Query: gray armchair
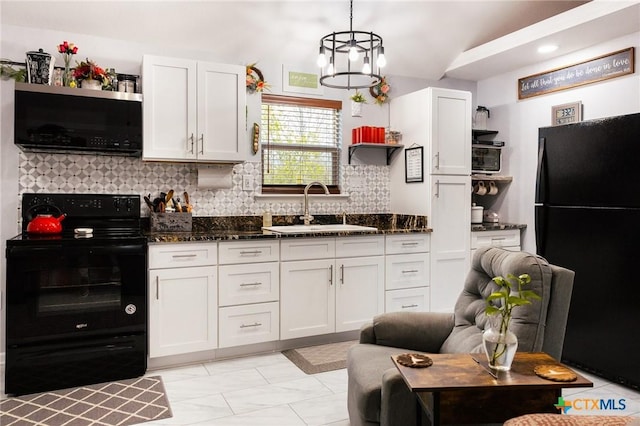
377	395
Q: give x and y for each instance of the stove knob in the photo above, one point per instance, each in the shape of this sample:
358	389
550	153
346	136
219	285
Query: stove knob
129	204
116	203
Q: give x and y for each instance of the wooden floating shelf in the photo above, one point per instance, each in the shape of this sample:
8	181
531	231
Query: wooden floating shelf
495	178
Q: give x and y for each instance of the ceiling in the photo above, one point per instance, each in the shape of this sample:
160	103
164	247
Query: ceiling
423	39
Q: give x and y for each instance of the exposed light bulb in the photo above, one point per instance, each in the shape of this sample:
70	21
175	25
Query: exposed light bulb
366	68
381	61
353	51
322	58
330	69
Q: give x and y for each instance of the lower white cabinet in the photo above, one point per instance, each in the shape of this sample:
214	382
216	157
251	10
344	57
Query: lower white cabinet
247	324
249	291
328	295
407	270
508	239
182	310
183	298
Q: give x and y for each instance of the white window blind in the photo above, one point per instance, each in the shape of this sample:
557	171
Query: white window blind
301	140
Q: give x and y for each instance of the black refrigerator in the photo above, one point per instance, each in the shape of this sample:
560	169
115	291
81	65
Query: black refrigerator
587	218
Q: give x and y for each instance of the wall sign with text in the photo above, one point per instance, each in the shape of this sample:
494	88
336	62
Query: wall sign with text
604	67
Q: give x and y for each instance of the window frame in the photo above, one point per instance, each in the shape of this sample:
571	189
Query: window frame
305	102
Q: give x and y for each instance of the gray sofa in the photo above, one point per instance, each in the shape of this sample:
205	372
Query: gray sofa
377	395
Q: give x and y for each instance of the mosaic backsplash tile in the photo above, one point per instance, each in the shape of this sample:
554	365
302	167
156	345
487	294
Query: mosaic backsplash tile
367	185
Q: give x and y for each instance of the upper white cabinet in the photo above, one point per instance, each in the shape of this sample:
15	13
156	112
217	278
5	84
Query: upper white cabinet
193	110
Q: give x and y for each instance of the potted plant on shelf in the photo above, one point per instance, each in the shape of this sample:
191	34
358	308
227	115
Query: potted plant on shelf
500	344
357	100
90	75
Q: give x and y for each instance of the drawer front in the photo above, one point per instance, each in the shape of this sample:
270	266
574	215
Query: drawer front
308	248
409	300
248	324
248	252
360	246
508	237
407	270
252	283
407	243
182	255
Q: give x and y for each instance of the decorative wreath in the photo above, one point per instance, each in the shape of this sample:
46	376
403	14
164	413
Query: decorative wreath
255	79
380	91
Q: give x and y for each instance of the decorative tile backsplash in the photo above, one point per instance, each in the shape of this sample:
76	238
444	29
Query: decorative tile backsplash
366	185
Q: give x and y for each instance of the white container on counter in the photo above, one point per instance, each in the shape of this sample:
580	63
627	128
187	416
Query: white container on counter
476	213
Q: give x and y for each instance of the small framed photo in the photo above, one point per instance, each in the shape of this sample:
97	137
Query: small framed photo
413	164
298	80
567	113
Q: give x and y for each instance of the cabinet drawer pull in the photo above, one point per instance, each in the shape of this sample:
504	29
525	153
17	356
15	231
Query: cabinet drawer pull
498	238
409	306
411	244
255	324
182	256
250	284
250	252
410	271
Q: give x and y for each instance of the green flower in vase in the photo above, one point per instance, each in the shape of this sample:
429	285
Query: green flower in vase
68	50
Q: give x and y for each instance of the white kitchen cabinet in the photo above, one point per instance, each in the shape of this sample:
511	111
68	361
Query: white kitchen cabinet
327	294
193	110
439	120
407	264
182	300
508	239
450	239
249	292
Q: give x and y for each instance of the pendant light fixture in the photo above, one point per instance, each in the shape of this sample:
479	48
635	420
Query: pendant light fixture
351	59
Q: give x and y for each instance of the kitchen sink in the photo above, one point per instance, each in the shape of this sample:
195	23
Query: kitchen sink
312	229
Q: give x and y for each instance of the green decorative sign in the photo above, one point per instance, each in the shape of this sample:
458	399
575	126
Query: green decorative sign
302	79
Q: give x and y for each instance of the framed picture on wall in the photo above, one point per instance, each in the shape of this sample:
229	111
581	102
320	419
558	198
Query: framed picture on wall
298	80
413	164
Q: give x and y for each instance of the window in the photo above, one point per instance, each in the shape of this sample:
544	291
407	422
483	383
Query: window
301	139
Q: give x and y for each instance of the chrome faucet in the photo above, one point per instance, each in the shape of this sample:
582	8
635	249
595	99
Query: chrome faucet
307	217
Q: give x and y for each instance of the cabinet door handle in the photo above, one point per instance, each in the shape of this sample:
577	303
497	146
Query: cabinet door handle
437	194
410	271
182	256
157	287
330	274
250	284
192	141
255	324
438	160
342	274
201	143
250	252
409	306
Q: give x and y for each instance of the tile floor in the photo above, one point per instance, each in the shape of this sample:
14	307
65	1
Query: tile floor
269	390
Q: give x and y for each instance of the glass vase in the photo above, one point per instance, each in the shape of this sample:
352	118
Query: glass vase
66	76
500	346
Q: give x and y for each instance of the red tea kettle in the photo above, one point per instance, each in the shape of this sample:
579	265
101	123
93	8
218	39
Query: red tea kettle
46	224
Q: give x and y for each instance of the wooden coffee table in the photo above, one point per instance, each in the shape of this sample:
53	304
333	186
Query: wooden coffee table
456	389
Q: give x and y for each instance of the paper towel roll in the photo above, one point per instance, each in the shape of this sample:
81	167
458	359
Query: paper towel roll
215	177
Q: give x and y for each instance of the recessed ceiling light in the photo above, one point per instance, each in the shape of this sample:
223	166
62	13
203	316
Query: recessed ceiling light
547	48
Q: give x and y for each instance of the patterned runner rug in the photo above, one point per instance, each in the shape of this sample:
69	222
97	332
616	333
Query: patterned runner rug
318	359
124	402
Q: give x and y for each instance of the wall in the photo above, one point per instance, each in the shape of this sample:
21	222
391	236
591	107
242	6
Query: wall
518	121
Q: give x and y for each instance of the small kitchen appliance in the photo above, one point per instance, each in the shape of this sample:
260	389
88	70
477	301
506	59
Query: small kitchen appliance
76	307
490	216
486	159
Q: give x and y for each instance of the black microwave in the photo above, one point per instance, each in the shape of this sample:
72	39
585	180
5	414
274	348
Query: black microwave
70	120
486	159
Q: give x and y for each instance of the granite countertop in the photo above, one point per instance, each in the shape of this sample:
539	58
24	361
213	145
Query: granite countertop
486	226
222	228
